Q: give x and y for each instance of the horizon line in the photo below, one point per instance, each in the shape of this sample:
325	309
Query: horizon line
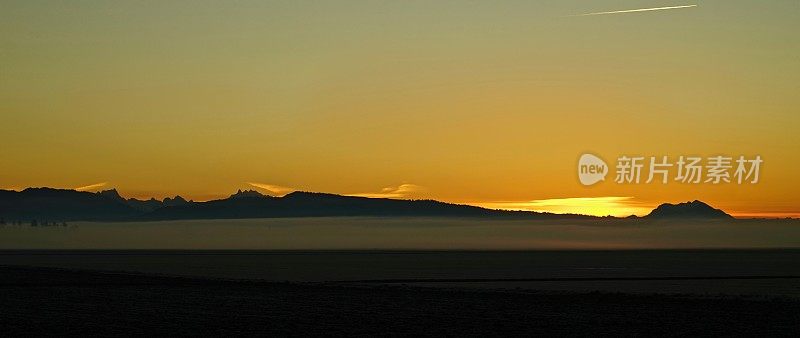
485	205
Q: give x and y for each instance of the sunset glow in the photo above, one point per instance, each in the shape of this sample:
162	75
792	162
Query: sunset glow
596	206
479	104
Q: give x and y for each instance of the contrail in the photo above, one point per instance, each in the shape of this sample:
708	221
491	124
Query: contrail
91	186
636	10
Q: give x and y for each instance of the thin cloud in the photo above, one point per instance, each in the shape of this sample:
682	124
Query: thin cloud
405	190
272	188
91	186
636	10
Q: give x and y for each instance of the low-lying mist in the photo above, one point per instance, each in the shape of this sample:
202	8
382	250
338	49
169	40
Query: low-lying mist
406	233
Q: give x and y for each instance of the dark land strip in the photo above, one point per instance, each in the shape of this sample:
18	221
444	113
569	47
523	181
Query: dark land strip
46	301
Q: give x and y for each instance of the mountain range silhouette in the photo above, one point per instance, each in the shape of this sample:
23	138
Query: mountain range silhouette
109	205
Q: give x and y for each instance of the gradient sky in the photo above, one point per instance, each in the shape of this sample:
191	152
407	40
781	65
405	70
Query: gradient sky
480	102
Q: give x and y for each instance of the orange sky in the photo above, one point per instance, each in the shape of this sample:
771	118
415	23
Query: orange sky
484	103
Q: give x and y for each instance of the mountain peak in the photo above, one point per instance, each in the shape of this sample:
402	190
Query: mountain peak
692	209
111	193
247	194
177	200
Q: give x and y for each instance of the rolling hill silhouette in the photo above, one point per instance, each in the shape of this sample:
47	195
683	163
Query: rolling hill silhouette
251	204
693	209
61	205
70	205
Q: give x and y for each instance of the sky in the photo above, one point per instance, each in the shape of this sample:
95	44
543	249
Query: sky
482	102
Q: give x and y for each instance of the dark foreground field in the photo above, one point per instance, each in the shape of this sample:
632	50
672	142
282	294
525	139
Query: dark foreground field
43	301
